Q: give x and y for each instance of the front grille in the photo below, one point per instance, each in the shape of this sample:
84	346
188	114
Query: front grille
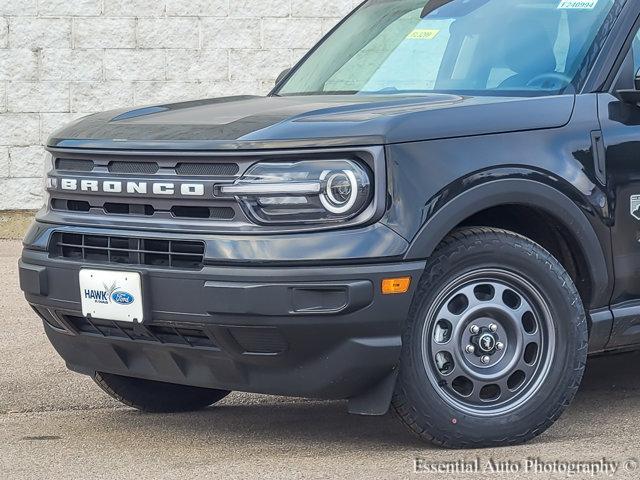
128	251
133	180
186	336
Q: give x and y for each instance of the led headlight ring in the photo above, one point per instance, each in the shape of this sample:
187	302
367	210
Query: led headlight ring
328	199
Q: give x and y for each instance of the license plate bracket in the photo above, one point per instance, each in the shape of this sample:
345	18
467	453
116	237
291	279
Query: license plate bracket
112	295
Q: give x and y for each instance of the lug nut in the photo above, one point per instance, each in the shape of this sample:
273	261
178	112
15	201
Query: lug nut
470	349
474	329
493	327
499	346
486	359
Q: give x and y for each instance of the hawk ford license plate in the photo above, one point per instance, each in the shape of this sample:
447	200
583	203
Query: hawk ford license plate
109	295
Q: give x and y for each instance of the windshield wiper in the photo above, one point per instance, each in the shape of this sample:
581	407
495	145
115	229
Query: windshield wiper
318	93
433	5
385	90
461	9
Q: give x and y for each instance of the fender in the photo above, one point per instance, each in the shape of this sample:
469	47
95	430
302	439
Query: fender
523	192
496	193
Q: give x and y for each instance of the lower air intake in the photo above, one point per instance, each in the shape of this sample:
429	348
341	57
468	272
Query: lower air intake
128	251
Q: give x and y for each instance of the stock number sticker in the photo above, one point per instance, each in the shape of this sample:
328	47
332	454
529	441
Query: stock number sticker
577	4
423	34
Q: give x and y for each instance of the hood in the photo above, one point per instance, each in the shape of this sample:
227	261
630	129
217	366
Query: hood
311	121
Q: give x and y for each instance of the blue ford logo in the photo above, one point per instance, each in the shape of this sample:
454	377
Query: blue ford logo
122	298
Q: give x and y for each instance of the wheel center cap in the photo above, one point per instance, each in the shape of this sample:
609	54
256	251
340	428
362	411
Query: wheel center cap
487	342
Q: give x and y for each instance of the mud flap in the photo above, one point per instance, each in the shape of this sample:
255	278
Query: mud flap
377	400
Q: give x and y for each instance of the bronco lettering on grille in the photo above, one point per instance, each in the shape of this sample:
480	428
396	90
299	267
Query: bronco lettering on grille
131	188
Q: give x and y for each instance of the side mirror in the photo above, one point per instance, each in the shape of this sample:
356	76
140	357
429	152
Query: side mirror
283	74
631	96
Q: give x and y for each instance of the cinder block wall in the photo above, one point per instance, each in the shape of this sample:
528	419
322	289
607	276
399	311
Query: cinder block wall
63	59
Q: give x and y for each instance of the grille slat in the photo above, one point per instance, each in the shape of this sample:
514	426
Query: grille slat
123	331
182	337
134	251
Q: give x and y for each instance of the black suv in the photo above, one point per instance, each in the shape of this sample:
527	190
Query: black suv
437	209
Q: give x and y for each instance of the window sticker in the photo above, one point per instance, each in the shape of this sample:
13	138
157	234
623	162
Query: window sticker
577	4
423	34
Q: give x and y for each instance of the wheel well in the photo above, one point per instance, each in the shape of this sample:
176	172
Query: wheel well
544	229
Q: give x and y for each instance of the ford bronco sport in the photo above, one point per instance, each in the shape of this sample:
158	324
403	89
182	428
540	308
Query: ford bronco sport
437	209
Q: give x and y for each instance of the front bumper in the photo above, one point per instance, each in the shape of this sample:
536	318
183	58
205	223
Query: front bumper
309	331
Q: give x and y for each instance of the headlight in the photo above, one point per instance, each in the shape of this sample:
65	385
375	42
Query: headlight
313	191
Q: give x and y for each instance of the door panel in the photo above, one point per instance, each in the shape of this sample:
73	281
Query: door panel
620	124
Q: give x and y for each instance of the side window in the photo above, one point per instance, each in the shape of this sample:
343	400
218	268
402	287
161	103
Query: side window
630	66
636	53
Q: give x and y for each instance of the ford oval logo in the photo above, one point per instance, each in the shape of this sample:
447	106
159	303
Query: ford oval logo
122	298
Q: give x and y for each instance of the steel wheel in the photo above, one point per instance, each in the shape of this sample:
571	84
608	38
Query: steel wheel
488	342
495	343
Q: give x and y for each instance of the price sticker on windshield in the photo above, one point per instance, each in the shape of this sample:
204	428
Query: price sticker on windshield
577	4
423	34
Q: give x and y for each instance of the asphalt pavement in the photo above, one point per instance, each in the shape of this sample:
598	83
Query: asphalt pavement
55	424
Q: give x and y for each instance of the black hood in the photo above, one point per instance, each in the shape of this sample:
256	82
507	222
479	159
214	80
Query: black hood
311	121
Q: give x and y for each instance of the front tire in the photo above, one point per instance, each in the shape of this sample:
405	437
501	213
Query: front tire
495	345
157	397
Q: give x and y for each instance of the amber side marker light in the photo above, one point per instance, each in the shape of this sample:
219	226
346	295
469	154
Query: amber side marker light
395	286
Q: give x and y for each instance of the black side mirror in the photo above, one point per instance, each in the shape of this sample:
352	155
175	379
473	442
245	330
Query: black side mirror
631	96
282	75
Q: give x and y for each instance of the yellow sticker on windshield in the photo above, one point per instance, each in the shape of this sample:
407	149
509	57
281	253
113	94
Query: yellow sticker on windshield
423	34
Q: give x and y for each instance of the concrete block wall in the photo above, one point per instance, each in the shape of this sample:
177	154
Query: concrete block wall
63	59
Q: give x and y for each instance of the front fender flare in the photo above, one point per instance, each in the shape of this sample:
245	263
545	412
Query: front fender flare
525	192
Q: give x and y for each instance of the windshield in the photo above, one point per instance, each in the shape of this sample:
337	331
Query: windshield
526	47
